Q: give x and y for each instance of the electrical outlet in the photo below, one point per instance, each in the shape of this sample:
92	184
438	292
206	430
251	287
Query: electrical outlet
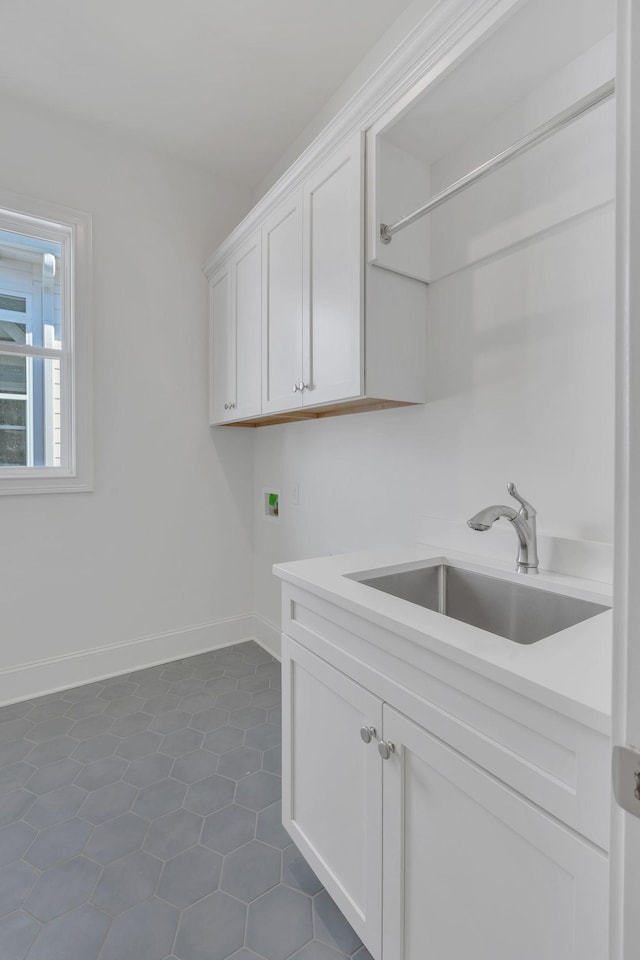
271	503
294	494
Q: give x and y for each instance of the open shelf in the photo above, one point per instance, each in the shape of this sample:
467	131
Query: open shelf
538	60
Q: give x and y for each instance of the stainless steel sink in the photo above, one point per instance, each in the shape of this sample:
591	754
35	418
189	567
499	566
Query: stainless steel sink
519	612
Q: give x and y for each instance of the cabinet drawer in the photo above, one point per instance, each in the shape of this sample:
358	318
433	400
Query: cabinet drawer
551	759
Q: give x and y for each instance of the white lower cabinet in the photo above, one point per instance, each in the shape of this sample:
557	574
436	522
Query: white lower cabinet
471	869
428	856
332	789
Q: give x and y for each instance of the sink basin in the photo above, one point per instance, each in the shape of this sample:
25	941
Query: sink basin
519	612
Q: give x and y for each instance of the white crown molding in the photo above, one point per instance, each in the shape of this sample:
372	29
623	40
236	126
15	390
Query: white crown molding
444	34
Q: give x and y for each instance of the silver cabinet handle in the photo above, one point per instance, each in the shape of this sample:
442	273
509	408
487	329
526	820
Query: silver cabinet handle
386	748
368	734
296	387
232	406
302	386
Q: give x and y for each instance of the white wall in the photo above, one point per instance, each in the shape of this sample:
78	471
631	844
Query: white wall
164	541
520	374
520	368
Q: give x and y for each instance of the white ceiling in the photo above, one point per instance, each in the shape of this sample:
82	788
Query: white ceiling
225	84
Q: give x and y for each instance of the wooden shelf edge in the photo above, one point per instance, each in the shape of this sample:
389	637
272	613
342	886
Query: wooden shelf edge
358	405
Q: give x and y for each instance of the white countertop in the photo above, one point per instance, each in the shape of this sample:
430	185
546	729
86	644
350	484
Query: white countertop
569	671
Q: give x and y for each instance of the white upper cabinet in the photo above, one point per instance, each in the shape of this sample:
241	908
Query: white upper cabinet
247	299
282	307
333	238
235	300
344	329
312	289
222	348
301	327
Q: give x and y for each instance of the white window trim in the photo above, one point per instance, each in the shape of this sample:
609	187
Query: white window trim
72	228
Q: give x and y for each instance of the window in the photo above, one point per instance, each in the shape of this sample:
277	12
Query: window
45	347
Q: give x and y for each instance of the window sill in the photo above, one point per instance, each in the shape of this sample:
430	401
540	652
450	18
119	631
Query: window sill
49	481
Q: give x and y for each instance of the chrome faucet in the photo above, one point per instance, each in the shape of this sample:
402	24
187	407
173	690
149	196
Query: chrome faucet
524	523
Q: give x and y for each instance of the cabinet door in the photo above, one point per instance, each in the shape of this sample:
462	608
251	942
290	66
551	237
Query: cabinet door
333	277
247	302
282	307
332	784
222	347
473	870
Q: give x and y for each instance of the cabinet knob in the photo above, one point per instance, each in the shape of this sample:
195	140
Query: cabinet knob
226	406
386	748
296	387
368	734
302	386
232	406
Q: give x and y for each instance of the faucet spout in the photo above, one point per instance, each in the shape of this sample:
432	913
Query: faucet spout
486	518
524	524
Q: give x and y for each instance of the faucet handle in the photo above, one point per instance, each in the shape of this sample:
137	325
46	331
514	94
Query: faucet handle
527	510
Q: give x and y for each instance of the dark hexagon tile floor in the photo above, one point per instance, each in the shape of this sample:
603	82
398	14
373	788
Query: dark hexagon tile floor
140	819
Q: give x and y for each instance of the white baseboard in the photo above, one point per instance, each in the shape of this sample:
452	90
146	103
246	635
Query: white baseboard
40	677
267	634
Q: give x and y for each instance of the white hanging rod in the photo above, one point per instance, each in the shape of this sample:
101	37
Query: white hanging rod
521	146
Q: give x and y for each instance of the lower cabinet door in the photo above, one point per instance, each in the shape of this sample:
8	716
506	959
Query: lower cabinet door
473	870
332	784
